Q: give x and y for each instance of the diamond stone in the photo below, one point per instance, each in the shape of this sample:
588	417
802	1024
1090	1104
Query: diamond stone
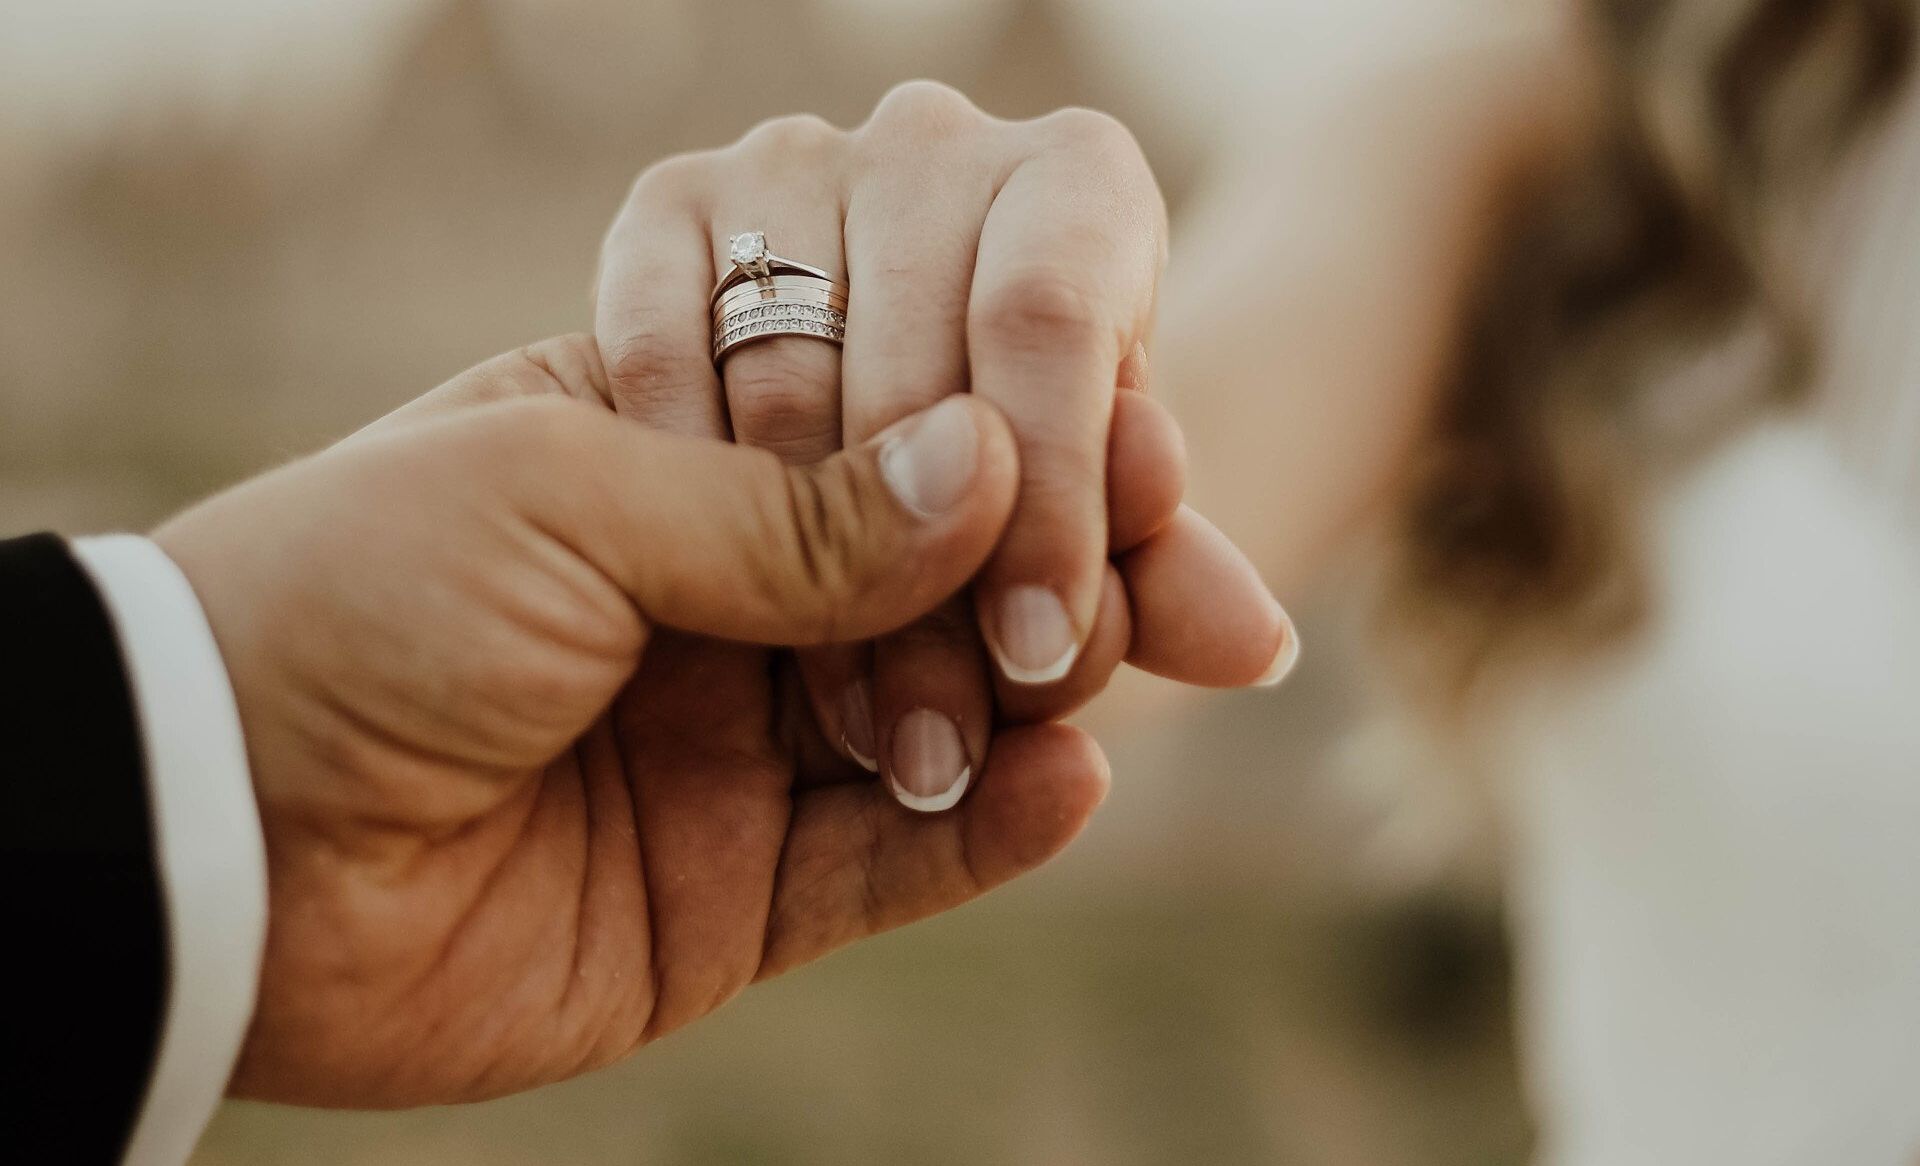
749	249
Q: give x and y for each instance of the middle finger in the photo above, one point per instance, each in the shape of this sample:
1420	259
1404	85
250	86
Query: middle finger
924	176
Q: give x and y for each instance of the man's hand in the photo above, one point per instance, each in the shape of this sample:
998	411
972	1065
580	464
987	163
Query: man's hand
499	855
1017	261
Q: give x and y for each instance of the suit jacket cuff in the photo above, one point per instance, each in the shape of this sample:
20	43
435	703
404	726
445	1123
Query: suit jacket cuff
209	850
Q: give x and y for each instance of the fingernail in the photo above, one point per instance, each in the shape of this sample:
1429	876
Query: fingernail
929	769
1034	640
856	724
928	460
1285	659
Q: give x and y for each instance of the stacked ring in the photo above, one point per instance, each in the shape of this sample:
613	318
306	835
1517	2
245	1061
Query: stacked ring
766	296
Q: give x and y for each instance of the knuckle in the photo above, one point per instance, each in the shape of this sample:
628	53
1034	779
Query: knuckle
673	180
1091	129
924	109
639	358
790	136
1042	310
647	365
774	409
1114	156
1105	145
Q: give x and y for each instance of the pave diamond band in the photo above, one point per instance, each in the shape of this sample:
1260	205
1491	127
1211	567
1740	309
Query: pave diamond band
783	310
783	326
766	321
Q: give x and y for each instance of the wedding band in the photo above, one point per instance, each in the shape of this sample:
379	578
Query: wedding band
799	289
764	321
767	296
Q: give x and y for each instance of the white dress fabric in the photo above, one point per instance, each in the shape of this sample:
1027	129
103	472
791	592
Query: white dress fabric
1716	862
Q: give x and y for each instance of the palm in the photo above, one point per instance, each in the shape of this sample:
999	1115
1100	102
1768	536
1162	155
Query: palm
679	850
620	890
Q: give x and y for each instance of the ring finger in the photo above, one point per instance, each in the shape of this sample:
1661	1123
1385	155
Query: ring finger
785	193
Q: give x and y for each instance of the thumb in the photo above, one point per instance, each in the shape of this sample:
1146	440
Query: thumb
726	541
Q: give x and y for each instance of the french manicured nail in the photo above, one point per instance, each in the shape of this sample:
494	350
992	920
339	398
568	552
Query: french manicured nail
929	770
856	724
928	461
1034	641
1285	658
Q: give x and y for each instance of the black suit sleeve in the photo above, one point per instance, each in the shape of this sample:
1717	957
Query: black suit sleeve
85	932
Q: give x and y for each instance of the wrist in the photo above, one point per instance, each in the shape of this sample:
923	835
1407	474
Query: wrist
210	855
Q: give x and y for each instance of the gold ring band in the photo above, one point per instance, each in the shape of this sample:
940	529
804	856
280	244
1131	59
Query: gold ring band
835	298
784	282
756	293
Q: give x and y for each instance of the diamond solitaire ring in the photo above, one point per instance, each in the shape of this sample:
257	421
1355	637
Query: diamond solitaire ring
752	260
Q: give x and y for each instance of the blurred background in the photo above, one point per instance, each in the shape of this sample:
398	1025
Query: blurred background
235	230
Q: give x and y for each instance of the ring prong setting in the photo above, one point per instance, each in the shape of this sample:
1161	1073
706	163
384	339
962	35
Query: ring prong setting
748	250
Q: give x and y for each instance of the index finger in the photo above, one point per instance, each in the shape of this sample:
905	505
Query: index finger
1069	259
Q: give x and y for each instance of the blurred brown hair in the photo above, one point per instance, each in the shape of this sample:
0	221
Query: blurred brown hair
1672	236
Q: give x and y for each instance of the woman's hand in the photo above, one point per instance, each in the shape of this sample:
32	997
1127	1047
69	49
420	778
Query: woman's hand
1017	261
499	855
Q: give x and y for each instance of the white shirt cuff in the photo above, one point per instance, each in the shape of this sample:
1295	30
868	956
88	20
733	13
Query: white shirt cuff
211	855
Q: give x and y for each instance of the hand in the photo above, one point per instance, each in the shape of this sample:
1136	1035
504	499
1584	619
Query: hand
498	854
1017	261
